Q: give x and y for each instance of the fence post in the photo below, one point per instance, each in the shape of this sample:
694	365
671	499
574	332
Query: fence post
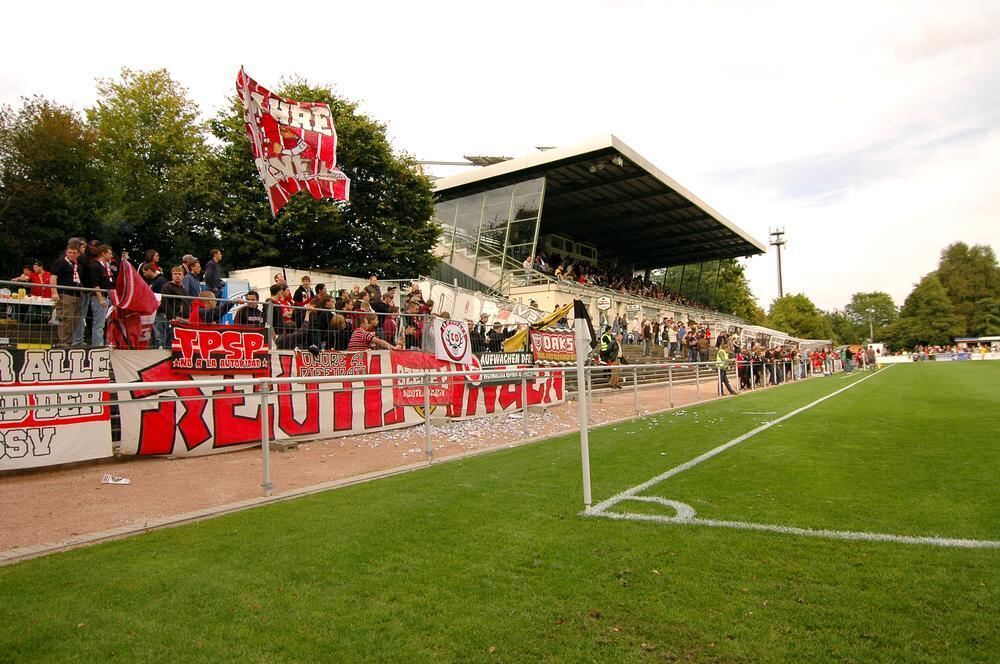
265	437
752	386
635	386
268	329
670	385
697	382
581	395
524	405
428	445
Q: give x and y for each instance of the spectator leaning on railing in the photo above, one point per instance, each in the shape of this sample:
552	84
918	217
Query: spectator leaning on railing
103	279
65	272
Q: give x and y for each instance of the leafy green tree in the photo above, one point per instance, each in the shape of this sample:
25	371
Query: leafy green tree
986	317
152	150
843	331
798	316
385	227
724	287
927	317
969	275
732	293
49	184
869	313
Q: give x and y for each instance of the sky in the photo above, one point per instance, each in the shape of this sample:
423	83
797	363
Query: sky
869	131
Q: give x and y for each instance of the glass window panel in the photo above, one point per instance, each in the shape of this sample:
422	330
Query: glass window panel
444	213
491	242
470	212
529	187
501	195
495	215
519	252
522	232
526	207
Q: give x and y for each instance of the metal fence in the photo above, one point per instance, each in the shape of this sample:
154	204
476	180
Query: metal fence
79	315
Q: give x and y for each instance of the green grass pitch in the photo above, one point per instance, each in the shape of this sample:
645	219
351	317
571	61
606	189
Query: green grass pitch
489	559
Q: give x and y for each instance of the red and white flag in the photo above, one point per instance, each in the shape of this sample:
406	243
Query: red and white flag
294	145
130	319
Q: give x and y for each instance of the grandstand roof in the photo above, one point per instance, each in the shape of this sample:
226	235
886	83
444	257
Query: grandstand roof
605	193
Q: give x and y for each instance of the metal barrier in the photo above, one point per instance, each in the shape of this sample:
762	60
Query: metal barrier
29	320
264	388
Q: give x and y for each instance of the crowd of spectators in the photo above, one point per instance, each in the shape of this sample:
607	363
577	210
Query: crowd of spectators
603	275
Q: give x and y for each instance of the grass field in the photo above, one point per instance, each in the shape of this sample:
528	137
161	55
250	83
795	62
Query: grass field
490	559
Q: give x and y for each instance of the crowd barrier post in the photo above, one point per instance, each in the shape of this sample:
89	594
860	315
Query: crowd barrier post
670	385
524	405
265	438
268	328
635	386
428	445
697	382
581	397
752	386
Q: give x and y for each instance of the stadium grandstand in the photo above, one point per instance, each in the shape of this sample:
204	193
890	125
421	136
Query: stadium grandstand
588	221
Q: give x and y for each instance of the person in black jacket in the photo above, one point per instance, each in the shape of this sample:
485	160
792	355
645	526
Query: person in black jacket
304	292
250	314
213	273
88	252
155	279
103	279
174	305
478	335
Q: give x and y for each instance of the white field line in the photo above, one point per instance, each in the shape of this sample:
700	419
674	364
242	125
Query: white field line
807	532
685	514
628	493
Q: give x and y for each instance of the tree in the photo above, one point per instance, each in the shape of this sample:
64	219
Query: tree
868	313
48	182
152	149
986	317
798	316
843	331
386	227
723	287
732	293
926	318
969	275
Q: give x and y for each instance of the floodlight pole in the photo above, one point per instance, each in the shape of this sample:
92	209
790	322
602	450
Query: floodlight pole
778	241
580	327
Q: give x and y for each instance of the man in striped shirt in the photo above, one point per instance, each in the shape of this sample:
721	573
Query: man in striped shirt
364	336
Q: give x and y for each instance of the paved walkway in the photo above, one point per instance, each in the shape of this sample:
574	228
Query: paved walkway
55	510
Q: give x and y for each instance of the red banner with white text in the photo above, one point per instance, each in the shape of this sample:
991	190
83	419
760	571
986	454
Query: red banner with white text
227	350
199	425
553	347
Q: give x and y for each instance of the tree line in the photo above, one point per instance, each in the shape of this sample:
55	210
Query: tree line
960	298
141	169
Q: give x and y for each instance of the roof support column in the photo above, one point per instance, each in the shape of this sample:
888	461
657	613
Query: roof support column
697	289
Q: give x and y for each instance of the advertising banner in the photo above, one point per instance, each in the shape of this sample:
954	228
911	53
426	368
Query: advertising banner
410	392
67	427
199	425
511	363
229	350
553	347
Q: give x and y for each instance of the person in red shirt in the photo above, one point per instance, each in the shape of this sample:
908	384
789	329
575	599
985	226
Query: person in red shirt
391	325
41	278
364	337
